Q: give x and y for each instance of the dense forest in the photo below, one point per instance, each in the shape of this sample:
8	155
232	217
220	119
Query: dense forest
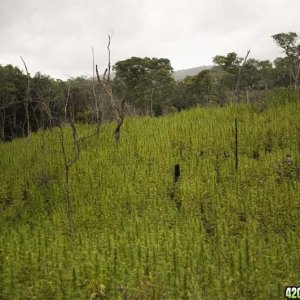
141	86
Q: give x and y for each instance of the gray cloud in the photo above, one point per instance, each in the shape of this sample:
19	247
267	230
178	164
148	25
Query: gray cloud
56	37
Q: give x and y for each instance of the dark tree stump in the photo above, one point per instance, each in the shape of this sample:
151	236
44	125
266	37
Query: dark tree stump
176	172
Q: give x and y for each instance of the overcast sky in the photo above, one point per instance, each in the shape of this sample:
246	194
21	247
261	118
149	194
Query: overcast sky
56	36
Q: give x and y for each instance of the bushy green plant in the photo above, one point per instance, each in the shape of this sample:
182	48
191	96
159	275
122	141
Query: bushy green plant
234	236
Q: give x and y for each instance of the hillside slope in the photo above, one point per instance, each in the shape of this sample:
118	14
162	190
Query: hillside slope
217	233
181	74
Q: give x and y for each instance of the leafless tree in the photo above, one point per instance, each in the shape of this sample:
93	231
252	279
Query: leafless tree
77	141
116	106
26	104
237	88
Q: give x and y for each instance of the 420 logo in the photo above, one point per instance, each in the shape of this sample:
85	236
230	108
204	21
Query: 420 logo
292	292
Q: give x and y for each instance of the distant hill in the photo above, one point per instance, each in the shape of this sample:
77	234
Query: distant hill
181	74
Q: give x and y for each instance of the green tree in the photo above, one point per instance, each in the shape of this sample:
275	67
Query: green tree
201	89
230	64
257	74
149	82
12	92
281	73
47	95
288	42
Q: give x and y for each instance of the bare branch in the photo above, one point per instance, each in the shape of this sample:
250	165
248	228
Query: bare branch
104	75
118	109
108	48
67	101
26	105
25	65
94	93
237	89
93	81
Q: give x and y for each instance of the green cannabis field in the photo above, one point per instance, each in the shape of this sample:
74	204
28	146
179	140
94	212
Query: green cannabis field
217	233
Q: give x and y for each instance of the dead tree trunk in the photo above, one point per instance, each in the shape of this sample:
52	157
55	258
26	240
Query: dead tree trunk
26	104
117	108
295	70
68	162
236	145
96	97
3	124
237	88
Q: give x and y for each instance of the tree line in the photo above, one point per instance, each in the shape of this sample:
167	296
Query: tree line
141	86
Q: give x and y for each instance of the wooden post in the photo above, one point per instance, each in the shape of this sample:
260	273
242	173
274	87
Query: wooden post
236	145
177	172
176	191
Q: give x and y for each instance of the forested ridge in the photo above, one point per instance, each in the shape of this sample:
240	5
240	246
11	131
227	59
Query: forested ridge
145	86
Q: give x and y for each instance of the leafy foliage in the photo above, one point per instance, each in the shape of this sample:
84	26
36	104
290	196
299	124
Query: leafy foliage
149	82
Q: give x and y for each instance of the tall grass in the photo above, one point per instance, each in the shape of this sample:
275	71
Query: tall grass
235	236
